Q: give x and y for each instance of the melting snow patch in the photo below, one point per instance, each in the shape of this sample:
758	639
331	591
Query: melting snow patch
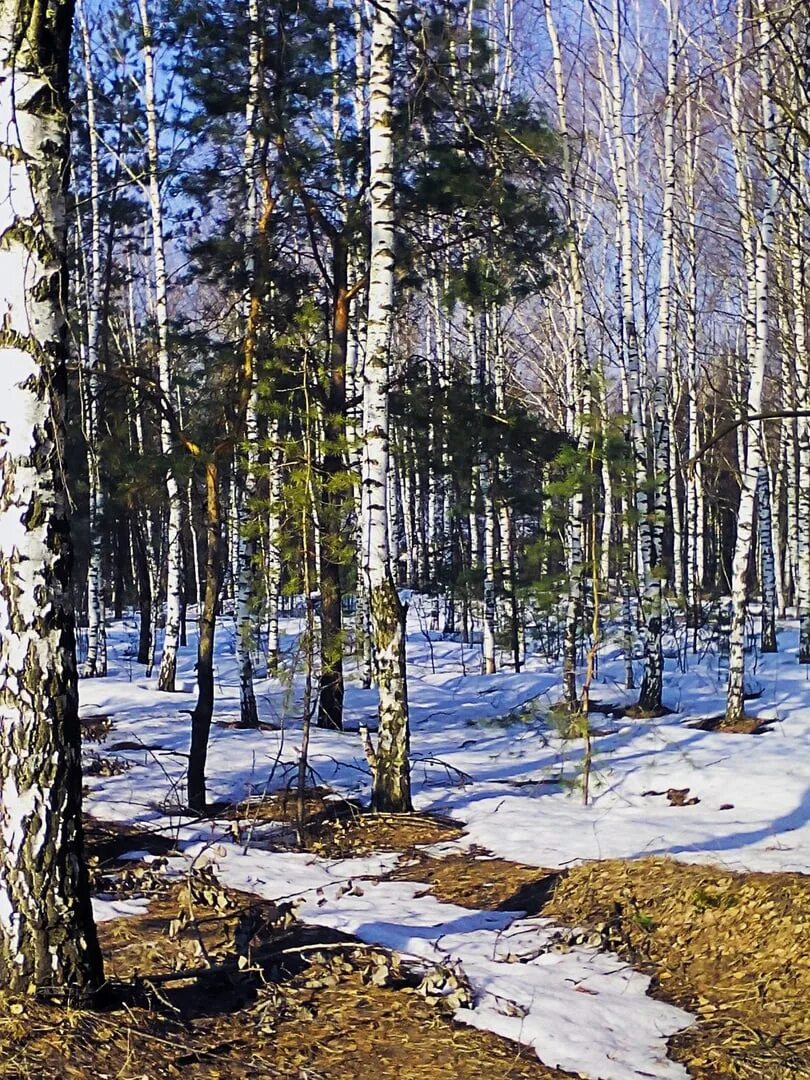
105	910
583	1010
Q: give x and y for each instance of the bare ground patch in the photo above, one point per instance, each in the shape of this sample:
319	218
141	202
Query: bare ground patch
731	948
217	984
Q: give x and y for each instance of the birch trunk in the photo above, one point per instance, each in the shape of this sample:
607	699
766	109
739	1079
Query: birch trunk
246	615
632	362
577	378
47	937
767	557
488	658
96	661
174	556
652	684
695	510
273	552
391	785
799	302
753	463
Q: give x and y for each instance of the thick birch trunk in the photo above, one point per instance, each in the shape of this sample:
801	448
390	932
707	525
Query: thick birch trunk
47	937
391	786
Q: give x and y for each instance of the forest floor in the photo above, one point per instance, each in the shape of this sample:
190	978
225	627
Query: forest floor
308	1003
503	930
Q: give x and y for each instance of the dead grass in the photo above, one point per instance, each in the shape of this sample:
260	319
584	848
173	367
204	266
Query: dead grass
339	828
746	725
730	947
476	880
300	1005
367	833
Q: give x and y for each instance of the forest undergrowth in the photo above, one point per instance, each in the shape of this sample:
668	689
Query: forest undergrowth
224	984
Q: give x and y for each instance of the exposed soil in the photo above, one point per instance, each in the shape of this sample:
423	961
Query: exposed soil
476	880
731	947
302	1002
746	725
305	1002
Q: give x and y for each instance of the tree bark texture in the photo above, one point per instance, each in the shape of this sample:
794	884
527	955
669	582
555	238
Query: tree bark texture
391	786
47	936
204	709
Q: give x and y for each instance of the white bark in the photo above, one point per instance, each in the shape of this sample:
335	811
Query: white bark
753	463
488	650
577	378
629	337
246	608
767	556
798	268
695	508
96	661
47	938
652	684
272	554
174	556
354	368
391	788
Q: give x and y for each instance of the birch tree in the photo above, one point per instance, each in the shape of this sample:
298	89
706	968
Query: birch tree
752	463
246	621
630	346
576	371
174	555
695	510
47	936
391	782
798	267
96	660
653	682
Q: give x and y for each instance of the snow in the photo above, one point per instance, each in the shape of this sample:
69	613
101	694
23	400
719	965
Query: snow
486	753
105	910
582	1010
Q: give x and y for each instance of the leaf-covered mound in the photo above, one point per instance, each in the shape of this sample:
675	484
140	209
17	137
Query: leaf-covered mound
731	947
